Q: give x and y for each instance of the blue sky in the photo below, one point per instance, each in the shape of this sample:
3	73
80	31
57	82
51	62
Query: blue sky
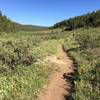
46	12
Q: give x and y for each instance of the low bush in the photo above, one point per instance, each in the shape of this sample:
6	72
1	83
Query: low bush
14	53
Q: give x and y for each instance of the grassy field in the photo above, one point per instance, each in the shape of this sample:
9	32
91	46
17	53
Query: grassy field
24	71
86	54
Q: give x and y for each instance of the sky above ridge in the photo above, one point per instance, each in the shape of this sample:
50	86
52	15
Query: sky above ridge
46	12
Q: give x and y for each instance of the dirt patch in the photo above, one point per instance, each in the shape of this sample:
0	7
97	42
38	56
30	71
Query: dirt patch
59	87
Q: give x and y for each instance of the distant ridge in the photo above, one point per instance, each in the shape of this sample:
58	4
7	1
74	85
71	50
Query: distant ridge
7	25
22	27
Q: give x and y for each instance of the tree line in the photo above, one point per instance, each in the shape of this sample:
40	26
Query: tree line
6	24
87	20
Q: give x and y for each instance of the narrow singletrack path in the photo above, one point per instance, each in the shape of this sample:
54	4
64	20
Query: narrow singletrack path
58	87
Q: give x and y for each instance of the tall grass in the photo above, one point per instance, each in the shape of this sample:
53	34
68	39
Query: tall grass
23	73
86	54
22	69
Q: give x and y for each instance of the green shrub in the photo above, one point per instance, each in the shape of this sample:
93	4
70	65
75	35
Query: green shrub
88	40
15	53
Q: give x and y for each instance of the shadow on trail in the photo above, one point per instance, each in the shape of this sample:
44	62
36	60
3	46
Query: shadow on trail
71	77
68	97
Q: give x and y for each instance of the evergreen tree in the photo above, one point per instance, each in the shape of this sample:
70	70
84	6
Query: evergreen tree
88	20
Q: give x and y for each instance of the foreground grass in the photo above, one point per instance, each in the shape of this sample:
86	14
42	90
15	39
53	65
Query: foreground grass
87	85
24	81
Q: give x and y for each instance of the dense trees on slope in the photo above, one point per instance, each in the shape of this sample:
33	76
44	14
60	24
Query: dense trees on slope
88	20
6	24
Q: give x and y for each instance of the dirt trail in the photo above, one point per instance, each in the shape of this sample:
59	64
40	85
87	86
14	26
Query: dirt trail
58	88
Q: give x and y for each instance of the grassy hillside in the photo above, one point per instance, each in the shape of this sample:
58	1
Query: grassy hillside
7	25
21	27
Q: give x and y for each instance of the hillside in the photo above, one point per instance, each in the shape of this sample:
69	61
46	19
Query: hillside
8	25
87	20
21	27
